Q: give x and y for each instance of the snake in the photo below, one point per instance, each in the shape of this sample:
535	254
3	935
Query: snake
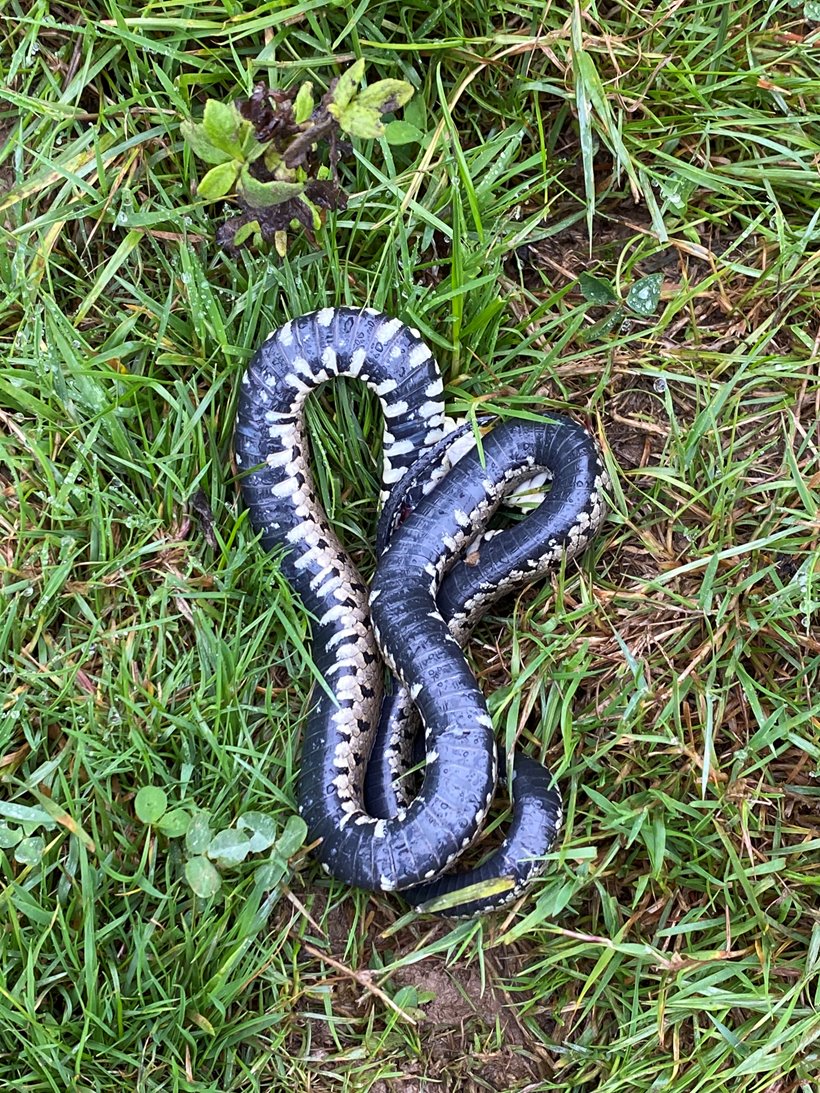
439	569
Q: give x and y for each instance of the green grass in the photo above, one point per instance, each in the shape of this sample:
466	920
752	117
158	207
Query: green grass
670	679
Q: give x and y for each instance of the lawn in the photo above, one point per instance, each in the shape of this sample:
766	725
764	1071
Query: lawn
606	208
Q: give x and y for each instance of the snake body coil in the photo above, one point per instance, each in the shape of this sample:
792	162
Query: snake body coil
425	598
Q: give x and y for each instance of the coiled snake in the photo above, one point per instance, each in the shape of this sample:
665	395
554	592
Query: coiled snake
425	598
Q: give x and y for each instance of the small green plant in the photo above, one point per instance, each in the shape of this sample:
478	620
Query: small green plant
21	836
207	852
642	298
265	150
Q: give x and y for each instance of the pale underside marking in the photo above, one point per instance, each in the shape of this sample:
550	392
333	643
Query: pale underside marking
285	488
390	474
400	447
315	553
357	359
356	661
389	329
430	408
307	531
350	652
330	584
333	614
279	459
418	355
395	409
305	368
292	380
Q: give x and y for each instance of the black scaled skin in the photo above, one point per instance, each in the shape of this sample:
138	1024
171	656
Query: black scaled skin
418	842
558	528
355	847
